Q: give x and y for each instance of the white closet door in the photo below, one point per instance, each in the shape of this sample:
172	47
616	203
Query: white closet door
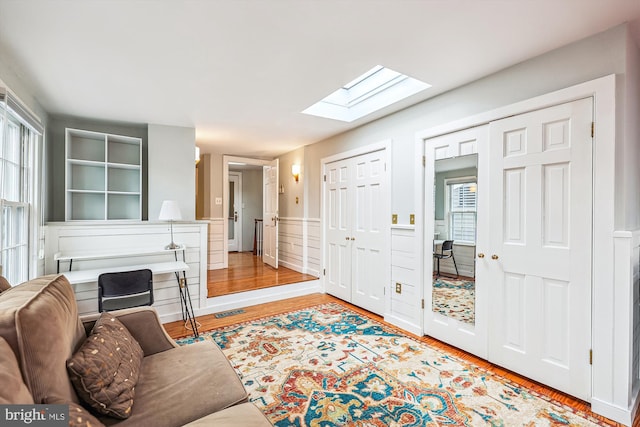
357	233
338	229
370	258
270	214
468	336
541	222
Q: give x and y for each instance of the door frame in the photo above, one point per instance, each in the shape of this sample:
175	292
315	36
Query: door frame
606	369
225	196
384	145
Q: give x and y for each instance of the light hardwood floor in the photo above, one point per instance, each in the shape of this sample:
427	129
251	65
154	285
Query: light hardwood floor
177	330
247	272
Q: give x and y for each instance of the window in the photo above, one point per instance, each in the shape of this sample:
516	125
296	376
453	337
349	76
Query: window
462	209
18	204
376	89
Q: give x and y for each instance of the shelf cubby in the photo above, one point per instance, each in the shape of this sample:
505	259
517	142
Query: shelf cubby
103	178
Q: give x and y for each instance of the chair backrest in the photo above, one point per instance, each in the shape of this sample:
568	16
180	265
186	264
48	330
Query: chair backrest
125	289
447	245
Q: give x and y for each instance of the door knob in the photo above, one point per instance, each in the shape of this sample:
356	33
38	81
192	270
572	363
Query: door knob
494	256
480	255
346	238
353	238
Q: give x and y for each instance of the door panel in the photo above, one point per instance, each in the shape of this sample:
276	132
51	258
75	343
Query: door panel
368	239
270	214
459	154
338	266
235	213
541	323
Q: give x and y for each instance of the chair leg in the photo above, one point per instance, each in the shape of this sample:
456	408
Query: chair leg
438	261
454	264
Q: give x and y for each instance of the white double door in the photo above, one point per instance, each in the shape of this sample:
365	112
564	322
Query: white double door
534	262
356	230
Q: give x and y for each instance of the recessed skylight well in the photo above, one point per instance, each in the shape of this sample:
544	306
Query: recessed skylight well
377	88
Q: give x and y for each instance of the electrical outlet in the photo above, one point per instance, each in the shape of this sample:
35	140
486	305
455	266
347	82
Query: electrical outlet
394	219
218	200
398	288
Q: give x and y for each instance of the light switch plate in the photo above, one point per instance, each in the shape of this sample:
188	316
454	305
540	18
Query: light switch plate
394	219
412	219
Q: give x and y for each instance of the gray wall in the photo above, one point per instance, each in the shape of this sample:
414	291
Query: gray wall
172	171
56	162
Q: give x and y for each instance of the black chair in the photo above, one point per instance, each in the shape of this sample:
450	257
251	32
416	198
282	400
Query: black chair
447	246
125	289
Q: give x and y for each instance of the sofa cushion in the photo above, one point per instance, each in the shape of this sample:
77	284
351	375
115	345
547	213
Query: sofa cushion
181	385
105	369
39	319
245	415
78	415
13	390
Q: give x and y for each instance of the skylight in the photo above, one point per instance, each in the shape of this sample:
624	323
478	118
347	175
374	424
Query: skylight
377	88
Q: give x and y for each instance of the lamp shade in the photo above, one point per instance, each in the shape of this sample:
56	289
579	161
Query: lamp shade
170	211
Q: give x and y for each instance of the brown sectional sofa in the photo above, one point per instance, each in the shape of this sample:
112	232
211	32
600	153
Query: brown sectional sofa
40	330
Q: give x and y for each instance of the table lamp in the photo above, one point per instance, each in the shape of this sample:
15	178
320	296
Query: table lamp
170	211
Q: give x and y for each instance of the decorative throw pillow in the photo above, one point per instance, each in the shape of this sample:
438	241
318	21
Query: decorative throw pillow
78	416
104	371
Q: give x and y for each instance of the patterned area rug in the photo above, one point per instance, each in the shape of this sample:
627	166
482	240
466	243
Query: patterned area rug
455	298
329	366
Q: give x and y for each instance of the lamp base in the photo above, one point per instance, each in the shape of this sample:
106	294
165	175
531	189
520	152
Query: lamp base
172	246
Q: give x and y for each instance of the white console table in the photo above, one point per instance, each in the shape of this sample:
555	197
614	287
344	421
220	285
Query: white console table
178	267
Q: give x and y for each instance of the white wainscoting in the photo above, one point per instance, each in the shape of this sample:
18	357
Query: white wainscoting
81	237
624	339
299	244
215	255
406	305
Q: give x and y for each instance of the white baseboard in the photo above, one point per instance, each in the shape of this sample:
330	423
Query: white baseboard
616	413
403	324
291	266
249	298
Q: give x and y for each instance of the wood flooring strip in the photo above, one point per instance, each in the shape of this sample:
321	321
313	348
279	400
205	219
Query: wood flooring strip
247	272
209	322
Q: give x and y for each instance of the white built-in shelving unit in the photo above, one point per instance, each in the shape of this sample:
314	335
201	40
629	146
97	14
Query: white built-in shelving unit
103	178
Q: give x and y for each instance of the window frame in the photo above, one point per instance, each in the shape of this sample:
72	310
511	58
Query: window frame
20	251
448	185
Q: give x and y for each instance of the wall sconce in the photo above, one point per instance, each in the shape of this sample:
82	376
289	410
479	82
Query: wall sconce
197	154
295	171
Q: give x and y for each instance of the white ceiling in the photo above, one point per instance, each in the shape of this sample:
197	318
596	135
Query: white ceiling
241	71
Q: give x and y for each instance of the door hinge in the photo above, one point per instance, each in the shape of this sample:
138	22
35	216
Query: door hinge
590	357
593	129
423	303
384	291
324	178
424	161
324	271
